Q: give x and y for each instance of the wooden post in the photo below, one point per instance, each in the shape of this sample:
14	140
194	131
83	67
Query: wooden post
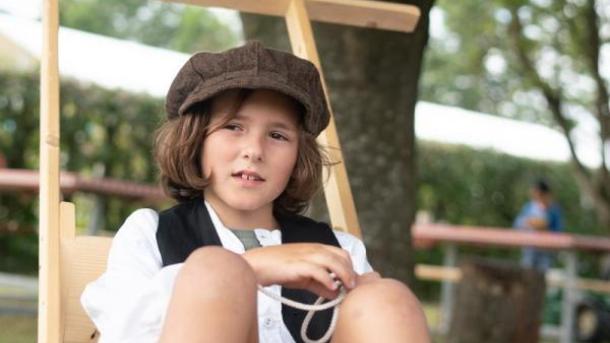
447	289
569	299
49	319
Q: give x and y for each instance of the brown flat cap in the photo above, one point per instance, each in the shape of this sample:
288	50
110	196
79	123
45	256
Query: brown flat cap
250	66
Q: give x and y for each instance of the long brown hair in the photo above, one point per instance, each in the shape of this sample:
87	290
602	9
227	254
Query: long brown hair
178	145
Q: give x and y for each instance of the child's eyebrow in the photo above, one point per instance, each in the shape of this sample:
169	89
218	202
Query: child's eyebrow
274	124
282	125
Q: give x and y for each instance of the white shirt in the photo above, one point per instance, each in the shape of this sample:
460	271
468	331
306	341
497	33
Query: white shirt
129	301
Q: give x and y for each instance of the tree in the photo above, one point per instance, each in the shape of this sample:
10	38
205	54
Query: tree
372	78
534	60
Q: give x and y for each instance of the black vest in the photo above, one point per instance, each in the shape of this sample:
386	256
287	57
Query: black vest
188	226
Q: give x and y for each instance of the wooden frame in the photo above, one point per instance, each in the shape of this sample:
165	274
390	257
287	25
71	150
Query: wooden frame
60	317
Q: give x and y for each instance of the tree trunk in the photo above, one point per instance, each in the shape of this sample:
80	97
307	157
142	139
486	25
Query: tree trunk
372	77
497	302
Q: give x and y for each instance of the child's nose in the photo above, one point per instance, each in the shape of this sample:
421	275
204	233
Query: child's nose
253	149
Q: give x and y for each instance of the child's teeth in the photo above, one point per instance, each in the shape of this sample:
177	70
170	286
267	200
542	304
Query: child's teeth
248	177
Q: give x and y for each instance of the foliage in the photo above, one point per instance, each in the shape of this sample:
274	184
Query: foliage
176	27
534	60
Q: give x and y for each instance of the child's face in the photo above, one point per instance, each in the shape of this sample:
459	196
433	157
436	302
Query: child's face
262	139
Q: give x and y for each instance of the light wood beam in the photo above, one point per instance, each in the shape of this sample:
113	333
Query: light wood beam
48	296
362	13
337	190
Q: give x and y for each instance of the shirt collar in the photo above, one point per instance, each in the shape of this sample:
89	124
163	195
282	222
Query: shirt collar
228	238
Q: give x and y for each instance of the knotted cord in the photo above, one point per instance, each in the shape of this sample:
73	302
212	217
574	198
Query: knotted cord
317	306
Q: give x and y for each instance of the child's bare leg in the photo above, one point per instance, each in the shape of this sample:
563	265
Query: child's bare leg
383	310
214	300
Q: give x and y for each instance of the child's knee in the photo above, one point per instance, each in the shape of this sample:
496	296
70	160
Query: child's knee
216	267
383	309
381	295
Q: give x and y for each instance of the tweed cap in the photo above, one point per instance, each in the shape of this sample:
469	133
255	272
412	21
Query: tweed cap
250	66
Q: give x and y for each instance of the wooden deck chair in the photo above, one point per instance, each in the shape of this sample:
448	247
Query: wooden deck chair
68	262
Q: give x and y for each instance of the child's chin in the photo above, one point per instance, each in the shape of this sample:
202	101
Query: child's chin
248	205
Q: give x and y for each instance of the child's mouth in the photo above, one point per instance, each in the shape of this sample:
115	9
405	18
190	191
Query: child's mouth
248	180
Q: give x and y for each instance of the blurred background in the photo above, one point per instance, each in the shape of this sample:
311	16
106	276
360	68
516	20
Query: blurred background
448	124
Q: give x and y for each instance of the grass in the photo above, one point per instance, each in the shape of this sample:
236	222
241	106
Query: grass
17	329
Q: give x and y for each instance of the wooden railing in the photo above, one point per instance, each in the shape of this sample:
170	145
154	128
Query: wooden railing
26	180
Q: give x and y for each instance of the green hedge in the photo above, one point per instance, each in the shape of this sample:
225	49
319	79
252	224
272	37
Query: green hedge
461	185
109	132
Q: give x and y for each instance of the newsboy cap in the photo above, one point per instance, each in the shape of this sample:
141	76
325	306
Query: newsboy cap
250	66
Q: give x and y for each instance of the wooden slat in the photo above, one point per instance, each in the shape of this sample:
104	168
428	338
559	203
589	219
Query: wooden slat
454	274
360	13
49	321
337	190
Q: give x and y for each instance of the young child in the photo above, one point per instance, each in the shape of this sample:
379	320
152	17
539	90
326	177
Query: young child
238	153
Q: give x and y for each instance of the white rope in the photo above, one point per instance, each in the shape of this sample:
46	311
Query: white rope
317	306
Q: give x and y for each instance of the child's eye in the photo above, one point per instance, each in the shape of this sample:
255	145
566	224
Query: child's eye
279	136
232	127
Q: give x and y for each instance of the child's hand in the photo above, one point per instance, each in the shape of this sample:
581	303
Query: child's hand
537	223
303	265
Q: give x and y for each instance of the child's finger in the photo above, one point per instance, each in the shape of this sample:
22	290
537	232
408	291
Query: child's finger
342	270
334	260
321	276
341	254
